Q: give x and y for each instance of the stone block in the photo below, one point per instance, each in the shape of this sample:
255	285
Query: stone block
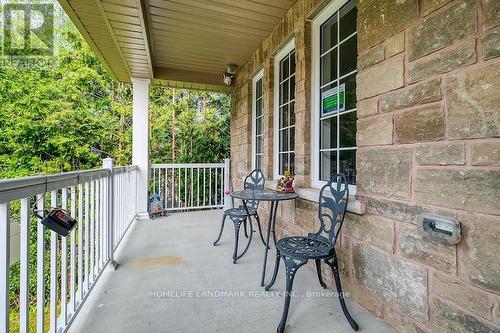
491	43
396	280
449	319
486	153
425	92
428	6
395	210
374	131
497	313
400	322
478	251
443	61
395	44
446	153
474	190
461	294
372	57
491	13
370	300
425	124
307	205
389	18
384	171
381	78
442	29
412	245
367	107
373	229
305	220
474	102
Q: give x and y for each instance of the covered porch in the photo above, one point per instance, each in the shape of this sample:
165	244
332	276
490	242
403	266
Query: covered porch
401	96
171	278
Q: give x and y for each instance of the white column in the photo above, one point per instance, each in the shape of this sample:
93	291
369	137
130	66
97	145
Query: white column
140	142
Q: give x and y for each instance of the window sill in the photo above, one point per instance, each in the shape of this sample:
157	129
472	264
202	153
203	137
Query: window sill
312	194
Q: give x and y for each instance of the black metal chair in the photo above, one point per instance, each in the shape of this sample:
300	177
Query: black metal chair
240	215
298	250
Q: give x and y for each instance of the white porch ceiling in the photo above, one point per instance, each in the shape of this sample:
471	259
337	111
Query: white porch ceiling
178	43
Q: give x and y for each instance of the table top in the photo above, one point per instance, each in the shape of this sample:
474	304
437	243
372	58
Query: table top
264	195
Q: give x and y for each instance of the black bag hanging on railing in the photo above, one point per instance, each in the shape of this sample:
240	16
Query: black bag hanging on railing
57	220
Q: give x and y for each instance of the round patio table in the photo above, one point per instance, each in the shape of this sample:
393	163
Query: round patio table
274	198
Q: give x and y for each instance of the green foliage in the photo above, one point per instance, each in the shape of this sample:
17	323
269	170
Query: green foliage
199	121
54	120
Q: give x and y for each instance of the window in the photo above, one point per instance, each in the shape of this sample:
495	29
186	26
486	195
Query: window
258	121
285	110
334	92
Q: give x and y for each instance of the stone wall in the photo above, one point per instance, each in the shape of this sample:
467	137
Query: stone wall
428	141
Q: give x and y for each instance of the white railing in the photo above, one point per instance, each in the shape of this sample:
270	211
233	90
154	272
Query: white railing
103	203
191	186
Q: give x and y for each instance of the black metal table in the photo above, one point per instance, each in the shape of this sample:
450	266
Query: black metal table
274	198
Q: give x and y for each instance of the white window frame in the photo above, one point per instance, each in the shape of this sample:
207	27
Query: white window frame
255	79
284	51
317	22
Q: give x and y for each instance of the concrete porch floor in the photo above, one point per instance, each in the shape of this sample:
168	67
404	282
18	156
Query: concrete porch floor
175	255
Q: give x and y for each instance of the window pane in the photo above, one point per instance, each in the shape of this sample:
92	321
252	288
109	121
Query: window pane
291	108
283	116
284	140
284	68
348	165
291	163
284	92
282	158
348	56
292	138
259	141
258	128
292	88
350	91
258	107
328	165
329	34
292	62
329	67
329	133
348	130
259	89
258	162
348	15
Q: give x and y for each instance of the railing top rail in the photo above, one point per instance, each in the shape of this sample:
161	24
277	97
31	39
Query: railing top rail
124	169
18	188
186	165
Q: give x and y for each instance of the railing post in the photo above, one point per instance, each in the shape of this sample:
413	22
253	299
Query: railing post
109	163
228	203
4	265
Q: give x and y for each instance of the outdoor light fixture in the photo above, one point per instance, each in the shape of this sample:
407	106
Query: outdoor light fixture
229	74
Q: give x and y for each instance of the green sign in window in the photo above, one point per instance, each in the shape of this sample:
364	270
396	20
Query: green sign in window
331	100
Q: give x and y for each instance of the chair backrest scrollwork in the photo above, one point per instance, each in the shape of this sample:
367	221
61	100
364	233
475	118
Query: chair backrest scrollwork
255	180
333	200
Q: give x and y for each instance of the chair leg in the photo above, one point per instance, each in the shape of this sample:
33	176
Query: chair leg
236	238
260	230
221	229
335	268
245	228
320	277
276	269
236	256
292	266
273	227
